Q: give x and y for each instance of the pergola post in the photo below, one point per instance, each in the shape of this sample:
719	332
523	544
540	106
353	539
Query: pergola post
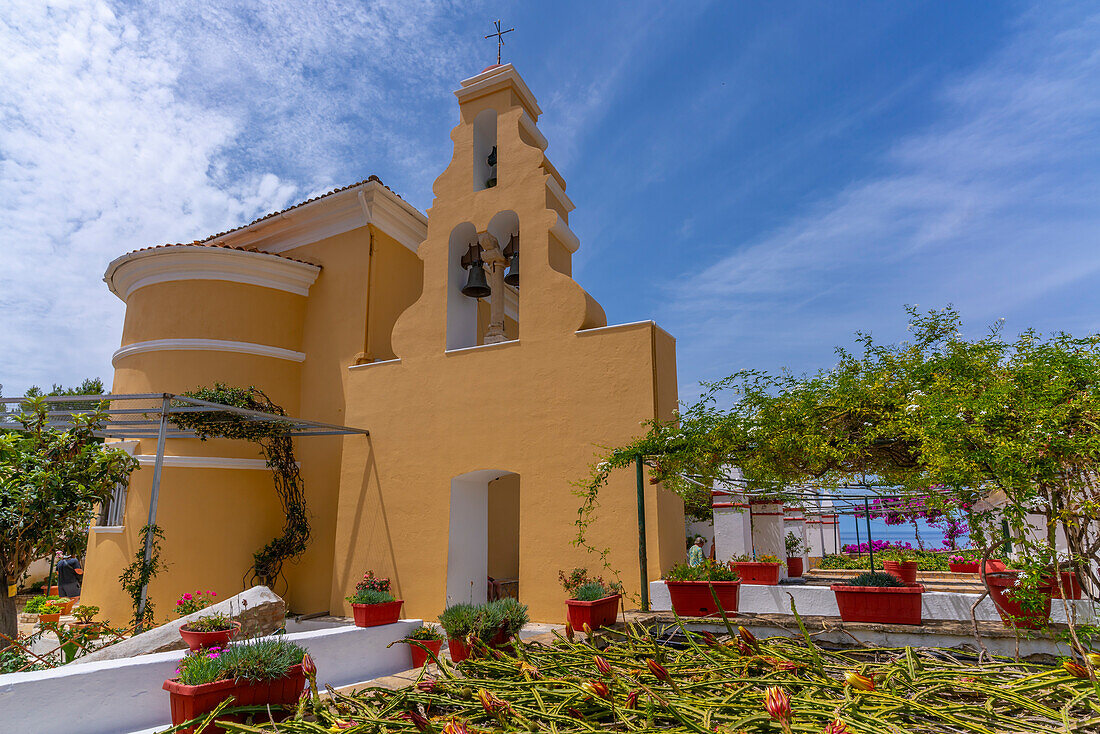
154	495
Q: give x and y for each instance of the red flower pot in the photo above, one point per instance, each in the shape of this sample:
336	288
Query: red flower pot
904	570
596	614
995	567
754	572
1070	584
693	598
1012	613
189	702
419	656
794	567
198	640
460	650
47	618
964	567
879	604
375	615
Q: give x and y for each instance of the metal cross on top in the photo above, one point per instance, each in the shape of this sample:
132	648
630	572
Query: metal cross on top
500	38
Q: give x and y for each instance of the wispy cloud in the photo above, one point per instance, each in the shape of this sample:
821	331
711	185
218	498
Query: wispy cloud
124	126
992	207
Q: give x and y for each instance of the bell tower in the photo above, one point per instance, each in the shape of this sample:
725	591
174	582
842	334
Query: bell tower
499	197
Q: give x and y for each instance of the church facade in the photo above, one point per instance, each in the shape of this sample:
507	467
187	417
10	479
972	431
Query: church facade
488	387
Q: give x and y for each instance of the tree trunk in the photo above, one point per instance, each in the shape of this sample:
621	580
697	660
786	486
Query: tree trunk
9	620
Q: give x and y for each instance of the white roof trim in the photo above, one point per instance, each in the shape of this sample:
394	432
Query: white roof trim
200	262
205	345
335	214
494	78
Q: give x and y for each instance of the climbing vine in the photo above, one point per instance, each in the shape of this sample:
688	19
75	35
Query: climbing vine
140	572
274	440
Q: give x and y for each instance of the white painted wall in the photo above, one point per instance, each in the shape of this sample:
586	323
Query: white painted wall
468	540
116	696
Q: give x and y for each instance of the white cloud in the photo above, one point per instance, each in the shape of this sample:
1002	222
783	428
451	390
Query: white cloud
123	126
992	207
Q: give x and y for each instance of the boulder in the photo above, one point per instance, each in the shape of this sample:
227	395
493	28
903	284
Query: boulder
259	610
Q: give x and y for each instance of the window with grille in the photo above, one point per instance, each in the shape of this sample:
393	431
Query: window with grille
112	511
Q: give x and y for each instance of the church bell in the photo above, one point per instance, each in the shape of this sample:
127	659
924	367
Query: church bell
476	285
512	252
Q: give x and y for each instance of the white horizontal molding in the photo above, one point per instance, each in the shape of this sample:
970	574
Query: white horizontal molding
205	345
199	262
203	462
494	78
564	235
333	214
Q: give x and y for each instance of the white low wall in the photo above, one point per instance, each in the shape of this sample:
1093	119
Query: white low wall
820	601
114	696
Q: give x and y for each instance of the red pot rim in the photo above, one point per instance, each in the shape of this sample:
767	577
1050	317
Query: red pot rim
704	583
1007	579
172	685
900	563
379	604
584	603
757	563
184	628
909	589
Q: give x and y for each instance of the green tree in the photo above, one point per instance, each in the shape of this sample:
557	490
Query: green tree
50	484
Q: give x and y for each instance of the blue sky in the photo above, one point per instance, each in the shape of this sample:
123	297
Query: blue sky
763	179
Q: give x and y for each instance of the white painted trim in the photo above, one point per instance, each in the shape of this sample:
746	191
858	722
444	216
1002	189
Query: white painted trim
624	326
108	529
135	270
204	462
205	345
492	79
480	346
559	194
532	129
561	231
335	214
373	364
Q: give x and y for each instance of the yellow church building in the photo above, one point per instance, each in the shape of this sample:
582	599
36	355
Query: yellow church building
487	387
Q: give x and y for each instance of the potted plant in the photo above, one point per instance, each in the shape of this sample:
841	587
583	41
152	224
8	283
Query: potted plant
210	630
763	571
420	638
190	603
879	597
259	672
962	564
85	615
51	610
690	588
372	603
902	563
36	604
1021	601
591	601
492	624
795	547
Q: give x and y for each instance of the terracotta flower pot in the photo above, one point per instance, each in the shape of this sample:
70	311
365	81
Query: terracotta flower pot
906	571
967	567
1070	584
1012	613
755	572
189	702
376	615
198	640
460	650
419	656
794	567
69	604
47	618
879	604
596	614
693	598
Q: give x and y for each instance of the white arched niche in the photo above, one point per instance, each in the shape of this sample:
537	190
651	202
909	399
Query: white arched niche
461	311
485	139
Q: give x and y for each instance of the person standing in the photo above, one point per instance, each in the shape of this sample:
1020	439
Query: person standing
69	572
695	554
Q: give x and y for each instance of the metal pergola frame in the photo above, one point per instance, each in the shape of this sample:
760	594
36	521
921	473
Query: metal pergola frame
146	416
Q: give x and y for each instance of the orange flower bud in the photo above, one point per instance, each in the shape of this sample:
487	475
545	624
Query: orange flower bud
455	727
836	726
308	667
602	665
596	688
492	704
777	704
1075	669
426	686
1093	658
862	682
659	671
749	638
587	629
568	631
632	699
